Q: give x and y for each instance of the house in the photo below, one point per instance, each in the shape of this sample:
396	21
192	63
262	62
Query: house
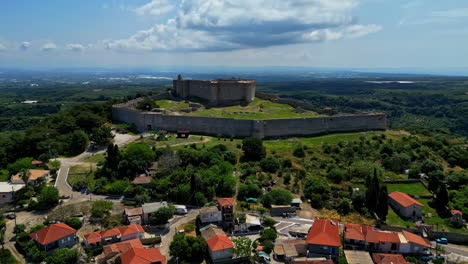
7	192
388	259
296	202
358	257
133	216
54	237
112	251
226	206
143	180
142	256
354	237
312	261
382	241
150	208
220	246
414	244
36	163
299	230
210	215
457	217
324	239
282	210
113	235
34	175
405	206
290	249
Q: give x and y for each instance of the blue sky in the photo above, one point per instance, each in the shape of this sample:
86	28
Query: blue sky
314	33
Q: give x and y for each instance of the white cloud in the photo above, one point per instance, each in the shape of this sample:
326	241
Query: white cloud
217	25
451	13
2	47
75	47
48	47
25	45
155	7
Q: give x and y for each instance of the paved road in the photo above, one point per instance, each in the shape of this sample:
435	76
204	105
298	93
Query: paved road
167	238
451	248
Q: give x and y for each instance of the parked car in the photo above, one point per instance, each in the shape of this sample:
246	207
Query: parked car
441	240
11	216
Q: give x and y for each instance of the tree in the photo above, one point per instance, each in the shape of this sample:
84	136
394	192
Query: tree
73	222
337	175
142	198
268	234
48	197
344	206
101	208
270	164
146	104
230	157
372	192
382	204
101	135
19	229
25	174
429	166
77	142
64	255
299	151
277	197
161	216
191	249
242	246
20	165
435	180
414	171
253	149
6	257
442	199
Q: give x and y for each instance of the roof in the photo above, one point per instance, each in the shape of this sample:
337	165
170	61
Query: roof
219	242
153	207
52	233
403	199
388	259
110	232
416	239
252	220
210	231
288	247
133	211
6	187
142	256
122	247
130	229
142	180
36	162
324	232
34	175
123	231
226	201
312	261
93	237
296	200
358	257
456	212
355	232
209	209
377	236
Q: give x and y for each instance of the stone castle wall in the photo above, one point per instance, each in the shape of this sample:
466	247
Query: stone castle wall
268	128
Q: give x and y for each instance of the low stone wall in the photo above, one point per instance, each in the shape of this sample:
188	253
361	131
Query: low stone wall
268	128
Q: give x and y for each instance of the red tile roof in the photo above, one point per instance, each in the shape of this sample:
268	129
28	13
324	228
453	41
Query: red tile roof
355	232
93	237
130	229
376	236
403	199
388	259
52	233
142	256
226	202
36	162
142	180
416	239
324	232
219	242
456	212
33	175
122	247
110	232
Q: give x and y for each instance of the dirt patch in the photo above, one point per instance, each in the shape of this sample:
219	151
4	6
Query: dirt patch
307	212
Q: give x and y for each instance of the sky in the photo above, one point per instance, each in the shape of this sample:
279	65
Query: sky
254	33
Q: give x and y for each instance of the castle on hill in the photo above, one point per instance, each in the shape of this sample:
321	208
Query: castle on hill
216	92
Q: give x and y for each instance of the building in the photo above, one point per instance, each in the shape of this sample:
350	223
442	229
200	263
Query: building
358	257
54	237
113	235
414	244
457	217
142	256
150	208
216	92
296	202
210	215
282	210
220	246
388	259
324	239
36	163
113	251
405	206
226	206
34	175
290	249
7	192
133	216
354	237
382	241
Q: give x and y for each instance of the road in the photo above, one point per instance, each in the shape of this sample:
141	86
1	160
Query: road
455	249
167	238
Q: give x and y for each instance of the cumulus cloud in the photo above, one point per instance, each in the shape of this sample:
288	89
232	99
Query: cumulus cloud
217	25
48	47
75	47
25	45
155	7
2	47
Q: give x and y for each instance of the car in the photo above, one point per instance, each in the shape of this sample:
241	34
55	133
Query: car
441	240
11	216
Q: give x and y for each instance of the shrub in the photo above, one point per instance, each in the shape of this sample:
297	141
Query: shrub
101	208
270	164
74	222
299	151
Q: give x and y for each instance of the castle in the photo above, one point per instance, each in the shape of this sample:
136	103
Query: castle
230	91
216	92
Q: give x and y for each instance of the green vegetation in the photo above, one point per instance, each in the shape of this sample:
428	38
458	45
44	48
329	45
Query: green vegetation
101	208
258	109
187	248
63	255
6	257
409	188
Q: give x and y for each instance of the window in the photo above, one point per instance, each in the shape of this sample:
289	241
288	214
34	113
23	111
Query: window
394	246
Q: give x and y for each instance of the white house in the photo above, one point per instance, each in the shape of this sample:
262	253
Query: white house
7	191
405	206
220	246
210	215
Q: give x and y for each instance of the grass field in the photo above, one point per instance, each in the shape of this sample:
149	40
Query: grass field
96	158
80	179
258	109
408	188
394	219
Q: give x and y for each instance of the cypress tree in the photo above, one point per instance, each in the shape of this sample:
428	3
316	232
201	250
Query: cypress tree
382	206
